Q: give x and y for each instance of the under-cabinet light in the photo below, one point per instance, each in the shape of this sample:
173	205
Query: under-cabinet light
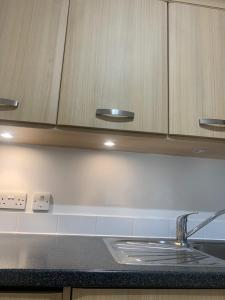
109	143
6	135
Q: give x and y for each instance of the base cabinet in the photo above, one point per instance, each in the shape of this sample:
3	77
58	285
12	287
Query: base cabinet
123	294
118	294
31	296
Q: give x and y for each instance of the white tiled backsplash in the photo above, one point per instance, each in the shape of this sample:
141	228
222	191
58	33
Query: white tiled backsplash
18	222
111	193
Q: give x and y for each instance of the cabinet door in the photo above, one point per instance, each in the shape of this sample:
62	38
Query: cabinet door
208	3
196	70
90	294
30	296
32	36
116	58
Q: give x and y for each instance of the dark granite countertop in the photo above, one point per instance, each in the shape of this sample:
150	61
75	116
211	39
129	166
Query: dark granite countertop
59	261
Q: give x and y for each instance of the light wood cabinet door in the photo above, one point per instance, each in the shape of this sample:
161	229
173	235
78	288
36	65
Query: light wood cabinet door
31	296
196	69
97	294
207	3
32	37
116	58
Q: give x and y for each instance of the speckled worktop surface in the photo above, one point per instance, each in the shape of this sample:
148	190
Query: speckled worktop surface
59	261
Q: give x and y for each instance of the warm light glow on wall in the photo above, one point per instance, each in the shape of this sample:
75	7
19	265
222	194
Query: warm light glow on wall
6	135
109	143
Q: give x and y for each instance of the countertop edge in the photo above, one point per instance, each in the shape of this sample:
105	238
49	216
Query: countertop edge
110	279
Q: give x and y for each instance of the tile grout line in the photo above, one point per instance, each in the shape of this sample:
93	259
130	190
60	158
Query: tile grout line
57	223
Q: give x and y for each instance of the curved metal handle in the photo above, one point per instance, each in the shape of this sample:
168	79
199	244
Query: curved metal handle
212	122
8	104
182	220
114	115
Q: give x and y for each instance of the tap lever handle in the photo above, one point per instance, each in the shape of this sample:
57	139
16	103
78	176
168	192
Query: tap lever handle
183	218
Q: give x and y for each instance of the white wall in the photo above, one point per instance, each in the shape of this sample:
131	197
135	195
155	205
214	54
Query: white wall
107	182
111	193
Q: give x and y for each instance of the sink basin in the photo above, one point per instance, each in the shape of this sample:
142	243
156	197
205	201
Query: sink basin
156	252
213	248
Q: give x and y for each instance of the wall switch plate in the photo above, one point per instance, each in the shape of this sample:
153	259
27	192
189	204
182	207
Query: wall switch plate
41	201
13	200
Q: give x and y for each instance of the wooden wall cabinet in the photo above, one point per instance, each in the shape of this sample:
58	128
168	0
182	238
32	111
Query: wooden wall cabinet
112	54
196	69
116	58
123	294
32	36
206	3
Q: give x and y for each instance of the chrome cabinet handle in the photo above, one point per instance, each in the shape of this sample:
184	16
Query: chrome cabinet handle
212	122
8	104
114	115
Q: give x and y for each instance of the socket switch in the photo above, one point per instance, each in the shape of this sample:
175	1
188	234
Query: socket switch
41	201
13	200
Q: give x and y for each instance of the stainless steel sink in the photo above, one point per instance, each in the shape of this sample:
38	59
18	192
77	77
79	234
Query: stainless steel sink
158	252
214	248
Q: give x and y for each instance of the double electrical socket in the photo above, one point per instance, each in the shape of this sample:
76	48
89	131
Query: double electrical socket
18	201
13	200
